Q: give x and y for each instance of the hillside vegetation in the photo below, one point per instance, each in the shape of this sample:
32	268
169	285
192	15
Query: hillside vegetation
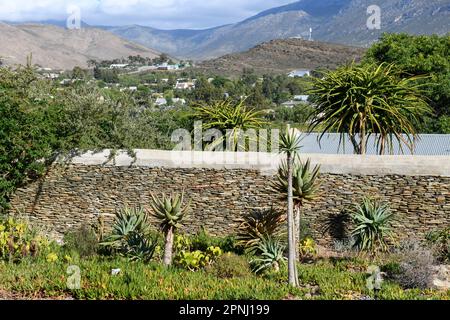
283	56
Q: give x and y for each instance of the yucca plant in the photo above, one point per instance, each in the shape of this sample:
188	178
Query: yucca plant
170	211
257	225
130	235
229	116
364	100
271	255
305	184
372	225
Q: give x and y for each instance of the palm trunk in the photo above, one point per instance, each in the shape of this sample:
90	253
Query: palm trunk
168	248
292	267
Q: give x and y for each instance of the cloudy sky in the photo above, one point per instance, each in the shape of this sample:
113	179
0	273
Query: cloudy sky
164	14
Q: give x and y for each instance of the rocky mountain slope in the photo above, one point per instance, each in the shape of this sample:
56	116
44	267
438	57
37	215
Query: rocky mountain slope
340	21
283	56
59	48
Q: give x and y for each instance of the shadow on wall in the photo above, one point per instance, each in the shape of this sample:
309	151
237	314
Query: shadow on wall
337	225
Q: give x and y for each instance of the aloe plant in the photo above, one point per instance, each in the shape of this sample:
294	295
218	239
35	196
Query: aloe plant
257	225
170	212
372	220
305	186
271	255
130	235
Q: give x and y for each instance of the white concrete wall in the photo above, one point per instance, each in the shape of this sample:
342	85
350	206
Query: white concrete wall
268	163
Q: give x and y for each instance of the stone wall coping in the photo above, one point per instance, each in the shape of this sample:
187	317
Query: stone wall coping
267	163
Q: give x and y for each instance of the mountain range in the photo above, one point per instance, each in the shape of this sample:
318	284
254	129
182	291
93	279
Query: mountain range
333	21
60	48
338	21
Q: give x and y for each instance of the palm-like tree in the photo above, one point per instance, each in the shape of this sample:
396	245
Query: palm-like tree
305	186
228	115
364	100
290	145
170	212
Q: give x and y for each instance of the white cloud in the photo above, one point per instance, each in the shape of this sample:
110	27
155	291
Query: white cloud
156	13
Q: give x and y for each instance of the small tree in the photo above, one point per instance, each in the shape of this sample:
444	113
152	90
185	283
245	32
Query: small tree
170	212
305	187
290	145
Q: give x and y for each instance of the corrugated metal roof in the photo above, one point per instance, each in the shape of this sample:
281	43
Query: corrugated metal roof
427	144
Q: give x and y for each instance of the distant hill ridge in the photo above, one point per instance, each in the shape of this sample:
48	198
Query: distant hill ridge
283	56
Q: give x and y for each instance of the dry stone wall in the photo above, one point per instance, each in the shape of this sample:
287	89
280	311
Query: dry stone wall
86	188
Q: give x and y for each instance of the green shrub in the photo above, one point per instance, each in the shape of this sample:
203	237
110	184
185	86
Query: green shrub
372	220
194	260
202	240
391	269
308	249
18	240
440	241
230	265
83	241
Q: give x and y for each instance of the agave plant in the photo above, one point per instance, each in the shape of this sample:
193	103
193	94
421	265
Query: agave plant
258	225
170	212
130	235
372	220
271	255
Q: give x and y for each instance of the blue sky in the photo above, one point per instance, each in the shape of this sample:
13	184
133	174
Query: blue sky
165	14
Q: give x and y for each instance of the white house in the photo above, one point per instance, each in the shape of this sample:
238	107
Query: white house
301	97
185	85
166	66
291	103
118	66
179	100
299	73
161	101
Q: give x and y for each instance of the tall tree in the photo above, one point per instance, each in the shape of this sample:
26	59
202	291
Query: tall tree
420	55
365	100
